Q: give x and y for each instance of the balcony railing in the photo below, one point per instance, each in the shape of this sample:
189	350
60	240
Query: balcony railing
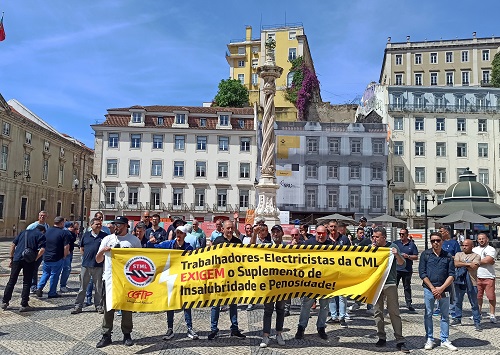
486	83
173	208
442	108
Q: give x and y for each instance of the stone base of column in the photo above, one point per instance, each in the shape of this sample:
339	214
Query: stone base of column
266	190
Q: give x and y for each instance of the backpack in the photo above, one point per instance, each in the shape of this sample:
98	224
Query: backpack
29	255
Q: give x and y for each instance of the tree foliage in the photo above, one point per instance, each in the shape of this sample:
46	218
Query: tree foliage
232	93
495	71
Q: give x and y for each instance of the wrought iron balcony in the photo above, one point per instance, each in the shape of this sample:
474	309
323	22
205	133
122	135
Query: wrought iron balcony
442	108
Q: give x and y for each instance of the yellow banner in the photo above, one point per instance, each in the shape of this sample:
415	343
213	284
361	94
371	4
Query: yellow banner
151	280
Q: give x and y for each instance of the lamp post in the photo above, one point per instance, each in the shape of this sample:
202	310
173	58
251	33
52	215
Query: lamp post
26	174
423	197
76	182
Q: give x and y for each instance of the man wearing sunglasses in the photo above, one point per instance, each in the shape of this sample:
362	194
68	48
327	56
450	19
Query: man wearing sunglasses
437	271
409	252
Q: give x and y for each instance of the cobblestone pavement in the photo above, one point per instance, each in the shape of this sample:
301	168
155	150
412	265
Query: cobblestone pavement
51	329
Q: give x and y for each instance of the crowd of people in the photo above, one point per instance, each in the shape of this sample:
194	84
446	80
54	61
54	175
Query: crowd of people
448	272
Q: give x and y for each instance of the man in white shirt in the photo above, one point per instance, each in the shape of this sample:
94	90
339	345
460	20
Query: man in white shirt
120	239
486	274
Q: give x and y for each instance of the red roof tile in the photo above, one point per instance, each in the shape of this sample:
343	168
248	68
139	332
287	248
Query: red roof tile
190	109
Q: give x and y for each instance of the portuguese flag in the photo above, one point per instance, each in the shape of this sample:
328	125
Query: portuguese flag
2	30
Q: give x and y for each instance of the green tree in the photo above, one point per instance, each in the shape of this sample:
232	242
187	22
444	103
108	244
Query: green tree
495	71
232	93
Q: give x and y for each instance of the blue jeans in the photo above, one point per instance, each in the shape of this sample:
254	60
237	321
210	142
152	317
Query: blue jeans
471	291
90	288
444	304
52	270
233	315
342	306
305	312
66	269
187	318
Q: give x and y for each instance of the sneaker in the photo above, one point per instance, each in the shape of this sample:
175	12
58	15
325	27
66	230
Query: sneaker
265	341
237	334
77	310
477	327
354	307
280	340
250	307
429	344
64	289
127	340
105	341
300	333
287	313
436	313
192	334
119	312
332	320
455	322
5	305
322	334
347	316
448	345
411	308
33	290
343	323
27	308
169	335
99	310
402	347
212	335
493	319
39	292
380	343
54	296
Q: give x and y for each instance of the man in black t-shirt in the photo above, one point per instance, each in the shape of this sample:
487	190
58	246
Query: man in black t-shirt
56	249
155	230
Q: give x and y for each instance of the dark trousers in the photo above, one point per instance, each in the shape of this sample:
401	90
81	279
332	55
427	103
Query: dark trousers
406	277
16	268
268	315
37	264
109	316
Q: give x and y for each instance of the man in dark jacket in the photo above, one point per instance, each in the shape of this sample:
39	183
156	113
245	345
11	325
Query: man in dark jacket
35	240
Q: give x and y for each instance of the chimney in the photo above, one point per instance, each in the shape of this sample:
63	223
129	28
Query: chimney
388	39
248	33
407	38
474	34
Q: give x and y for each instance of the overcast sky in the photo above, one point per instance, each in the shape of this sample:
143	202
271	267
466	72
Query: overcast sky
68	61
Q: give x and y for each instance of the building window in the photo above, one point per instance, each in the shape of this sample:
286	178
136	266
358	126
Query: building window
399	79
28	139
461	150
292	35
461	125
440	124
311	197
255	78
355	171
5	157
241	124
465	78
439	101
482	150
180	118
397	100
60	179
241	78
136	117
201	169
333	170
112	167
377	146
418	79
377	172
177	196
333	198
465	56
179	142
161	121
449	57
440	149
434	78
155	198
399	200
223	169
203	122
398	123
244	198
27	163
460	103
244	170
201	143
46	147
135	141
156	167
312	145
433	58
199	197
312	171
418	100
24	205
449	78
334	145
113	139
355	146
245	144
399	59
224	144
241	63
255	63
221	198
178	168
134	167
486	54
292	54
419	123
441	175
418	58
484	176
110	196
376	198
133	195
6	129
398	148
224	120
419	149
480	103
399	174
420	175
289	79
157	141
354	199
241	50
45	170
482	125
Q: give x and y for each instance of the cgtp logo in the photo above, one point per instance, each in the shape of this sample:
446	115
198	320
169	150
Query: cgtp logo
140	271
141	295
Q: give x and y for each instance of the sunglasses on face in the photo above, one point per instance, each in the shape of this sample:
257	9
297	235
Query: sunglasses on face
435	240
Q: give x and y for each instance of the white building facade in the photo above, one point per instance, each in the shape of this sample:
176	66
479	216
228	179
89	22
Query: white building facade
180	162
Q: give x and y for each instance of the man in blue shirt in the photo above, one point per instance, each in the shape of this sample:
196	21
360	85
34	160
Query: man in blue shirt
409	252
156	231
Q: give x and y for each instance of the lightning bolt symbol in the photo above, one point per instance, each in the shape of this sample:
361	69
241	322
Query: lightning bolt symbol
169	279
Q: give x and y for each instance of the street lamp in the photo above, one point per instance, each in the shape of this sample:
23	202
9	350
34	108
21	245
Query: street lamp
26	173
426	200
76	182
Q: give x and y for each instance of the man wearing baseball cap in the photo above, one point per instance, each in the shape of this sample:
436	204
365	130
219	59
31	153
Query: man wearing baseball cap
121	238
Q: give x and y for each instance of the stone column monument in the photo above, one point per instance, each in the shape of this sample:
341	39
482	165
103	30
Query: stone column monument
267	186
